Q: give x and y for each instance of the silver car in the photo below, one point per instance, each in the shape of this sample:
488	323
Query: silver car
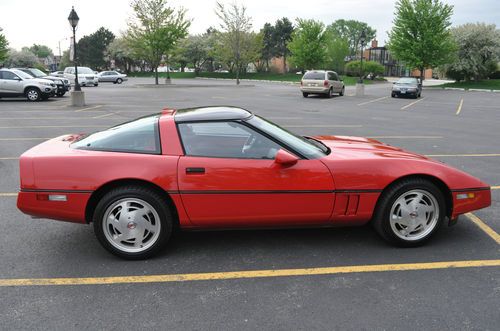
321	82
16	83
86	76
112	76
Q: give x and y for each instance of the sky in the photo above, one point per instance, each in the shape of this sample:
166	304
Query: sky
28	22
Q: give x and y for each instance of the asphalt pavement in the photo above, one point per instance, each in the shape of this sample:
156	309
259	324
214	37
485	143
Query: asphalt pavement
457	127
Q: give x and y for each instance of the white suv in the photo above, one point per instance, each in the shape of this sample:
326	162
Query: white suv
86	76
321	82
16	83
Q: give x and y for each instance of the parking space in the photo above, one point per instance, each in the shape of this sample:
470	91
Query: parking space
280	279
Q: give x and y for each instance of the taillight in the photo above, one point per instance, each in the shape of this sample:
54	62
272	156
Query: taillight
325	83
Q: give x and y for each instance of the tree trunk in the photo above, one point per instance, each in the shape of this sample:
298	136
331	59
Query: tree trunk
156	75
237	75
422	74
284	63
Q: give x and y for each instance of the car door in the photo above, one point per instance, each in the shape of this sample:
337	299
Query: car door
12	84
228	177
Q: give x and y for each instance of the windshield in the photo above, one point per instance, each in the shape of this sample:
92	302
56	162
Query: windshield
311	149
314	75
22	74
85	70
36	73
408	81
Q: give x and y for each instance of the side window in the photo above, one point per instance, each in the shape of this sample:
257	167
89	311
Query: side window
226	140
8	75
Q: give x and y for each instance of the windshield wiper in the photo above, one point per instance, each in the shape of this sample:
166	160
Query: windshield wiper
321	145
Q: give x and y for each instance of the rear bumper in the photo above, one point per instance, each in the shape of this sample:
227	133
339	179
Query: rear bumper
311	89
37	204
467	200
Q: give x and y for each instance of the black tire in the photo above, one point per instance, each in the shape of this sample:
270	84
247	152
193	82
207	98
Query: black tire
33	94
119	81
330	93
305	94
382	217
96	84
342	91
60	94
393	95
139	194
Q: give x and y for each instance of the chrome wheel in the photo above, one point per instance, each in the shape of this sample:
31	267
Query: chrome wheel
414	215
131	225
33	95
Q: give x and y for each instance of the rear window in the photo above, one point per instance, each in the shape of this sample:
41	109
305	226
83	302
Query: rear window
138	136
314	75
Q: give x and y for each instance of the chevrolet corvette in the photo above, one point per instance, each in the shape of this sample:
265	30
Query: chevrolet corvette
225	167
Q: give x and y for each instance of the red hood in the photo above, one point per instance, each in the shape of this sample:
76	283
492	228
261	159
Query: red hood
345	147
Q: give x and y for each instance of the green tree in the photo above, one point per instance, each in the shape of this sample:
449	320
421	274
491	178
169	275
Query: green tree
194	50
154	30
236	26
421	36
65	61
41	51
353	68
4	50
478	51
337	49
308	44
92	48
268	44
120	51
350	30
283	30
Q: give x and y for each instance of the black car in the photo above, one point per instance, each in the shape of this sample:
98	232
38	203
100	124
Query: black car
407	86
63	84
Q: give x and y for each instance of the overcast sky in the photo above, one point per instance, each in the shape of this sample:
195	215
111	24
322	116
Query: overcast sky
26	22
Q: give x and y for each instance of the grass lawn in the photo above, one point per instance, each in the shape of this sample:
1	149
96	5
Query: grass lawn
490	84
257	76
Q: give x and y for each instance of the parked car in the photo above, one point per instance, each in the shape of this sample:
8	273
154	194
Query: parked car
407	86
321	82
62	84
17	83
112	76
86	76
57	74
224	167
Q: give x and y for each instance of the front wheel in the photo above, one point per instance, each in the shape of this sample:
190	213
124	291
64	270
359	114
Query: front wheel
132	222
119	81
96	84
410	212
305	94
33	94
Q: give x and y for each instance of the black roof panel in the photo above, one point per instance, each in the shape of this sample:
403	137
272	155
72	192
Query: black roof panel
214	113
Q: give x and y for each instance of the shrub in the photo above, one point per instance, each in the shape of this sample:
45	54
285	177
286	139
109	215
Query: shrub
353	68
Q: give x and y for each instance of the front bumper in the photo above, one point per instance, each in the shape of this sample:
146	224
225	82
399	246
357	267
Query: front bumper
402	93
470	199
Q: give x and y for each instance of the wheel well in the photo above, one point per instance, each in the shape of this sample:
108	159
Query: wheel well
101	191
28	87
436	181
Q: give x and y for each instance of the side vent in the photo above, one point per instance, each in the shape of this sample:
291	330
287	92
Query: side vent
346	204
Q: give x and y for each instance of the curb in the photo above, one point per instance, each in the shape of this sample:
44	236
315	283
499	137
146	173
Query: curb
253	80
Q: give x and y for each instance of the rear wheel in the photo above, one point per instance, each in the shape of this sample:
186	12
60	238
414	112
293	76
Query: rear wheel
342	91
330	92
60	94
409	212
132	222
33	94
305	94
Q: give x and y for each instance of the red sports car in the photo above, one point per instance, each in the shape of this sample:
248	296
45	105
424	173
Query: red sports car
224	167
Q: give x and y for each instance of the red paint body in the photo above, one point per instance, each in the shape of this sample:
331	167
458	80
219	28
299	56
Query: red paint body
341	188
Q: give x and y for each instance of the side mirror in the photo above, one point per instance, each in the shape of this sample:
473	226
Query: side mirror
285	159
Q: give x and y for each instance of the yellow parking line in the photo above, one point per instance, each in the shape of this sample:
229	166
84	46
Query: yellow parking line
464	155
53	126
18	139
489	231
8	194
105	115
495	187
375	100
406	137
248	274
88	108
411	104
459	109
9	158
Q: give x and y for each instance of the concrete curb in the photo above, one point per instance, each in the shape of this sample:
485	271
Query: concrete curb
461	89
189	85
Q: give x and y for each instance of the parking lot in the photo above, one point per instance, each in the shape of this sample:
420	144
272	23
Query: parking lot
344	278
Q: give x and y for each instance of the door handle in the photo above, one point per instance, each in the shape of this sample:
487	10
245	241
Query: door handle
195	170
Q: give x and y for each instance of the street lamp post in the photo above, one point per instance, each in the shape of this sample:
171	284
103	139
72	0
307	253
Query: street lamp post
360	86
77	96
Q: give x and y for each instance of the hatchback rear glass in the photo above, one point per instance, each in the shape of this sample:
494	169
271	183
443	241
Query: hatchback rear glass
314	75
